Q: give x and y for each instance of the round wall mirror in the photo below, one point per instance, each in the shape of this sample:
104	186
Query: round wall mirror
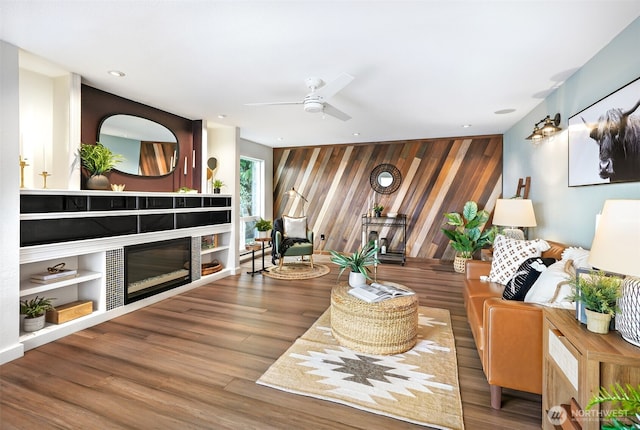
148	148
385	178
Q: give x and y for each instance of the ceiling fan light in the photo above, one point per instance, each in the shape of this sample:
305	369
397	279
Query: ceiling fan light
313	106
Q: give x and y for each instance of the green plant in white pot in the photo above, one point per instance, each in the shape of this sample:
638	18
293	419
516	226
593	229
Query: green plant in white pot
97	160
34	311
358	263
599	293
468	234
263	226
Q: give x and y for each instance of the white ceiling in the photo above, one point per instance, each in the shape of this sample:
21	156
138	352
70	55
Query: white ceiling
422	68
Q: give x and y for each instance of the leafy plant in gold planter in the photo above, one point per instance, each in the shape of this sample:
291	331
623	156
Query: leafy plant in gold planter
468	234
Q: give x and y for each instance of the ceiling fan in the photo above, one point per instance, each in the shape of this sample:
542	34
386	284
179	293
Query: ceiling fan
315	101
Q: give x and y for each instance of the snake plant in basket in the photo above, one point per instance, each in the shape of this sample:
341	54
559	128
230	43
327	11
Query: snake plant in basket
468	234
358	262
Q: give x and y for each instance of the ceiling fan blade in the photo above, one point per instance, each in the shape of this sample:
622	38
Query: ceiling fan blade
330	89
335	112
273	103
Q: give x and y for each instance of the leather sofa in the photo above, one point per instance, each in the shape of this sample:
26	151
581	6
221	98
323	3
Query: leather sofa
507	333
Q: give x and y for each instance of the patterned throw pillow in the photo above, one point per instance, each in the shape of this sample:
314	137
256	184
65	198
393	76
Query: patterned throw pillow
525	276
508	255
295	228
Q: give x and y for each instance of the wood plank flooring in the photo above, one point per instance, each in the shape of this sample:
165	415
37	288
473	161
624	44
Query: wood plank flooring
191	362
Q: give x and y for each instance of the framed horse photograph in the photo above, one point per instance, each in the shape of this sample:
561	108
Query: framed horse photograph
604	139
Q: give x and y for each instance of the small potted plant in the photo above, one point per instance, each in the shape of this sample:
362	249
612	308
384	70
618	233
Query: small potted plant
217	184
377	209
468	234
97	160
358	262
263	226
599	294
34	311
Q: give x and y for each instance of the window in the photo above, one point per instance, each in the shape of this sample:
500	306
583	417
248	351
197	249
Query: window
251	197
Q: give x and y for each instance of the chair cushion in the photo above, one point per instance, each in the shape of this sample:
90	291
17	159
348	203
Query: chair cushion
295	227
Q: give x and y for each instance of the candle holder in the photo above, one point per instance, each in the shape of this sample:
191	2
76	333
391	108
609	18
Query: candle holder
44	175
23	164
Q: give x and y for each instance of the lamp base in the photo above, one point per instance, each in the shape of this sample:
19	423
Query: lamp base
628	319
513	233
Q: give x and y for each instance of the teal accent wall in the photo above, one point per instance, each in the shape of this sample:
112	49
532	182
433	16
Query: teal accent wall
567	214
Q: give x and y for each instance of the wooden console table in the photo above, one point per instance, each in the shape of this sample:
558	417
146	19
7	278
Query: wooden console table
576	363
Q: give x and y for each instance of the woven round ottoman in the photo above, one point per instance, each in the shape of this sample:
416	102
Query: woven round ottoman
386	327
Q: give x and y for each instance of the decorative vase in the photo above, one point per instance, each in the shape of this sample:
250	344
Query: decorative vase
263	234
216	191
33	324
356	279
98	182
460	263
597	322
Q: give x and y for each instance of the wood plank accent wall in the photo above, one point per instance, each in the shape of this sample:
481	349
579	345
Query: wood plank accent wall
438	176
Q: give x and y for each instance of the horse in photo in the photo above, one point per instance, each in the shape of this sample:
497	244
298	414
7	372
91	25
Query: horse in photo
618	135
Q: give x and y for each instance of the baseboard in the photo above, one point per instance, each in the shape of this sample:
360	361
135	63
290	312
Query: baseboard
11	353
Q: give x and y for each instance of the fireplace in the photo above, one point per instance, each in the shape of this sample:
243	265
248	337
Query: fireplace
154	267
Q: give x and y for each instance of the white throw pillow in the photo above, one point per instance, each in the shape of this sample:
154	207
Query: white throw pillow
552	279
295	227
579	256
509	254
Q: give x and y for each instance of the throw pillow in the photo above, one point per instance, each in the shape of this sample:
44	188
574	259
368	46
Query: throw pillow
295	228
579	256
508	255
551	283
528	272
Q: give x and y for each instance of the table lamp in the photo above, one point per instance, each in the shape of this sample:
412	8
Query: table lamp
514	213
616	248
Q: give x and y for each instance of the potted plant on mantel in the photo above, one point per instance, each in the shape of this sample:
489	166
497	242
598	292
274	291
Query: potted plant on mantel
34	311
263	226
599	294
358	262
217	184
97	160
468	234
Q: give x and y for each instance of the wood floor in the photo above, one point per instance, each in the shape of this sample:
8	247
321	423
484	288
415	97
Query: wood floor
191	362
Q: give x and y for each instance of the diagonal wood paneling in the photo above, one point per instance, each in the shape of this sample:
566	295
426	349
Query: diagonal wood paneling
438	176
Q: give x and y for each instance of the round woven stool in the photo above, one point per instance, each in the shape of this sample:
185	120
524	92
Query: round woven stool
386	327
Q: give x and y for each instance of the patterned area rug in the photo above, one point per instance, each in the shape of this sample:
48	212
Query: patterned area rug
419	386
297	271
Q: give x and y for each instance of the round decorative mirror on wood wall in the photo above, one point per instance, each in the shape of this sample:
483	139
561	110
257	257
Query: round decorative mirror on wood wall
385	178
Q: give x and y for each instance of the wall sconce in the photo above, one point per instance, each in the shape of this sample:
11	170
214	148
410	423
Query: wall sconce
545	128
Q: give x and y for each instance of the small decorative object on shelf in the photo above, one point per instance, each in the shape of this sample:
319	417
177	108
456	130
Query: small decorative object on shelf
44	175
69	311
377	209
23	164
209	242
217	184
209	268
97	160
117	187
34	311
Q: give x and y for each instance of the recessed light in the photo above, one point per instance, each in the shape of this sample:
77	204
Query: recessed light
280	139
466	125
504	111
116	73
356	134
222	116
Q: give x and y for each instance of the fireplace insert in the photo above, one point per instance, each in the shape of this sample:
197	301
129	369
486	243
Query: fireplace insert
154	267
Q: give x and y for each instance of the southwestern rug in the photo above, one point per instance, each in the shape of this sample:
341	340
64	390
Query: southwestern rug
297	271
418	386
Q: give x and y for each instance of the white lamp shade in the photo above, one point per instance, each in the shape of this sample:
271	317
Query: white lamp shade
616	245
514	213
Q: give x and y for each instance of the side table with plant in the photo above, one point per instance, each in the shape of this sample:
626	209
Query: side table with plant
599	294
34	311
358	263
468	234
